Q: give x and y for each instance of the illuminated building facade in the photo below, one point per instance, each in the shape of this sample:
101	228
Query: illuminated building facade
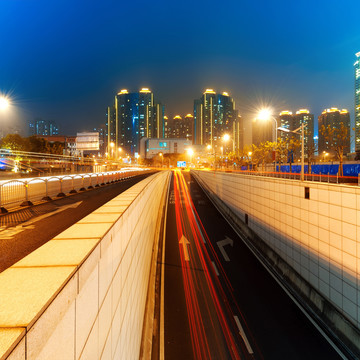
214	116
303	116
167	128
285	120
134	115
43	127
183	128
357	104
333	117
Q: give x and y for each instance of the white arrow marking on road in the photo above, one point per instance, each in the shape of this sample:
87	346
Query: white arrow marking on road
185	242
222	243
242	334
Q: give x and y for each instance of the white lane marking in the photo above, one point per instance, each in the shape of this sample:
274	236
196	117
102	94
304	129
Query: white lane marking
222	243
185	242
242	334
216	270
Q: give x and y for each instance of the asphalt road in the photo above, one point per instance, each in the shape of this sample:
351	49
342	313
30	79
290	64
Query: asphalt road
23	231
253	319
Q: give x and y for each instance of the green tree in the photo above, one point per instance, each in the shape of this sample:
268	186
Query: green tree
337	139
13	142
57	148
281	148
35	144
292	145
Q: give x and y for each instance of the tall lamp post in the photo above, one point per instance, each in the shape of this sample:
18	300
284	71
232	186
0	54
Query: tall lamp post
265	115
298	131
190	153
226	138
112	149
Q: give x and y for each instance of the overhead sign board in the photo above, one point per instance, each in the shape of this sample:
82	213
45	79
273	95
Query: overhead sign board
181	164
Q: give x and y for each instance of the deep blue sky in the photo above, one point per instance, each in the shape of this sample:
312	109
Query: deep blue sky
65	59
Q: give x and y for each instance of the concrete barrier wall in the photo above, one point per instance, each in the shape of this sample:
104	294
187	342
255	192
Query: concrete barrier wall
82	295
319	236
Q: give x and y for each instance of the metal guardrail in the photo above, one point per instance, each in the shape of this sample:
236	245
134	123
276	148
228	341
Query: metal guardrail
325	178
25	192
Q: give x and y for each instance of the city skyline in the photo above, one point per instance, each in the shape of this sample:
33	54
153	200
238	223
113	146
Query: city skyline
64	61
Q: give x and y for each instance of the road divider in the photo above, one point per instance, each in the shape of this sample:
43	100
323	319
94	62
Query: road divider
82	295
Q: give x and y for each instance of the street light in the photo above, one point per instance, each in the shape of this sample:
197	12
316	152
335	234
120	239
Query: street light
325	154
162	159
190	153
249	155
226	138
265	115
296	131
111	150
4	103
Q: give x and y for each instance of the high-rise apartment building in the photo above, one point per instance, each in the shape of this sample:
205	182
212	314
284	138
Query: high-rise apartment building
214	116
285	120
357	103
167	128
134	115
43	127
333	117
176	127
182	128
303	116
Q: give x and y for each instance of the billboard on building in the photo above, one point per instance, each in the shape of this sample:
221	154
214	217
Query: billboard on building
87	141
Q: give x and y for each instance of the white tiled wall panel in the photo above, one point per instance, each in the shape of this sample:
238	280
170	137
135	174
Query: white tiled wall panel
319	237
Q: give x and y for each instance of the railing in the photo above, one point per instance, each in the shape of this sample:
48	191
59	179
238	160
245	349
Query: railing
21	192
334	179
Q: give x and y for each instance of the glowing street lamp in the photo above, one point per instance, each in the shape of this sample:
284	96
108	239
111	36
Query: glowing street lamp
226	138
112	149
266	115
325	154
190	153
4	103
249	155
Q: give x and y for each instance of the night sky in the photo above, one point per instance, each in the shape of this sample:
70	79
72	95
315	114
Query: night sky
64	60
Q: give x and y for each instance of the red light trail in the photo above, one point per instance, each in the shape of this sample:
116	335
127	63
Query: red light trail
206	310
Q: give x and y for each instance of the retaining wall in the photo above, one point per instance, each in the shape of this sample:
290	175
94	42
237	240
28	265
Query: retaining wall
309	231
82	295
